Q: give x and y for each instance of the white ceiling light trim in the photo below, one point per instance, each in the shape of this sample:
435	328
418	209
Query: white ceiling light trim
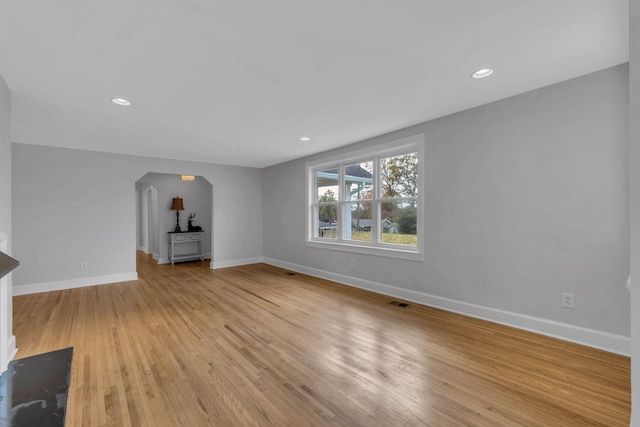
482	73
121	101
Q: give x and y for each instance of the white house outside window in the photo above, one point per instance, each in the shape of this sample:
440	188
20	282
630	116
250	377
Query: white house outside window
368	201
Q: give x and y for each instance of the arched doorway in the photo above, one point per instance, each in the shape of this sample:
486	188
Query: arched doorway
155	192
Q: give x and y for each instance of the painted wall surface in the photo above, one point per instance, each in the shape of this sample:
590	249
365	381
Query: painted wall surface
5	159
74	206
197	198
634	197
525	198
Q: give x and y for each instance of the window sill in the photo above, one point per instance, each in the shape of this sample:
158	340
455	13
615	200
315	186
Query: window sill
411	255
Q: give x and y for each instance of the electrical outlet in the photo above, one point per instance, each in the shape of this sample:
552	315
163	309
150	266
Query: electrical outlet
84	266
352	263
567	300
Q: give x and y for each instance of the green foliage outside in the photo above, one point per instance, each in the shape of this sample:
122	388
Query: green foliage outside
407	221
400	239
400	176
365	236
328	213
393	238
329	234
399	186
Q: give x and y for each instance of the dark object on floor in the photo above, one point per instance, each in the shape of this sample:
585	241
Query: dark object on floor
33	390
7	264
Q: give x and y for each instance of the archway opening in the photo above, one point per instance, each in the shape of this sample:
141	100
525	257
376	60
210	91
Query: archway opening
155	219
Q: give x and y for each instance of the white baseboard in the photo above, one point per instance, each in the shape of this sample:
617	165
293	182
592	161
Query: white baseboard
593	338
73	283
207	255
11	351
11	348
235	263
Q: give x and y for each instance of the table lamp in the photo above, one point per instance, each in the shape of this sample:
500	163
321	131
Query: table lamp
176	205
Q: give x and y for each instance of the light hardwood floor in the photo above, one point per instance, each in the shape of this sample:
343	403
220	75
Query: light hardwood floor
252	345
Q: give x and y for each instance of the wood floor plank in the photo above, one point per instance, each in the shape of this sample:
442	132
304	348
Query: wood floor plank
257	346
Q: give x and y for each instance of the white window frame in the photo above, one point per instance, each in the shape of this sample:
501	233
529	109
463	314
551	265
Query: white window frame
410	144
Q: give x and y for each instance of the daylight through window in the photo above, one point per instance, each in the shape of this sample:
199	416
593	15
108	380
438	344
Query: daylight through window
367	200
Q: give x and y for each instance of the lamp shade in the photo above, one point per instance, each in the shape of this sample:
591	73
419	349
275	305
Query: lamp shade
176	204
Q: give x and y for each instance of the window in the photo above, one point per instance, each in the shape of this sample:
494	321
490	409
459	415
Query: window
368	201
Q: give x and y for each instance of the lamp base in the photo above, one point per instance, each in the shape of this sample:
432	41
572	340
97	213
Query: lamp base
178	229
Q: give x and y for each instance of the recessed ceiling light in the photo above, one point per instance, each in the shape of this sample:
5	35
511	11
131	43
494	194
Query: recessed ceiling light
481	74
121	101
305	138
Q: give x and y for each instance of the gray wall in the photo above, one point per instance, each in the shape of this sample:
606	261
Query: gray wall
5	159
74	206
634	196
525	198
197	198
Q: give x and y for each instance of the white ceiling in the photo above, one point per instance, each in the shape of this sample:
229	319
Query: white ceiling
238	82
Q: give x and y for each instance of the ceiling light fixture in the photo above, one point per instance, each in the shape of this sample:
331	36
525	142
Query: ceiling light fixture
187	177
121	101
481	74
305	138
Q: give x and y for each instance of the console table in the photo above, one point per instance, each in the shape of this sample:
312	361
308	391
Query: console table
194	238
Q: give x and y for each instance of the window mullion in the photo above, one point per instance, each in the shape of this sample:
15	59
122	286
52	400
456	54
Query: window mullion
375	208
341	197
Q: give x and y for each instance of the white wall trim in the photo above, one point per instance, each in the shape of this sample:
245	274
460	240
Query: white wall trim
35	288
235	262
11	347
7	339
593	338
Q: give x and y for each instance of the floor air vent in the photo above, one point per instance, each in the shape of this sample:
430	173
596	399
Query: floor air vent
399	304
291	273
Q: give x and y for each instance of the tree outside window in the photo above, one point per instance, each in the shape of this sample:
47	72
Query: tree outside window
371	200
